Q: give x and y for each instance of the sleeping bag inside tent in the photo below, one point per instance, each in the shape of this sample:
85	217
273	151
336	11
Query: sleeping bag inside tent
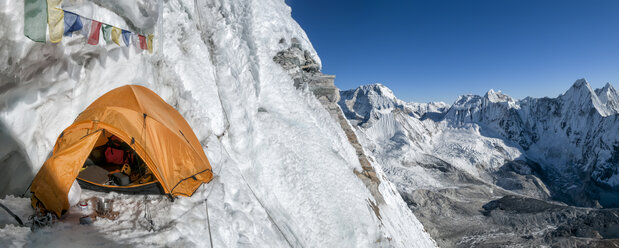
128	140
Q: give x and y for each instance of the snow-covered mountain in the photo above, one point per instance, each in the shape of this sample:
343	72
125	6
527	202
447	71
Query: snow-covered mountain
450	161
286	172
575	137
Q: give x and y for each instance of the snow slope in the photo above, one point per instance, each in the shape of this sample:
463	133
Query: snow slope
284	173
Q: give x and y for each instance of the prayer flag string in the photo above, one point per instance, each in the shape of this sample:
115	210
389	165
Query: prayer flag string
41	13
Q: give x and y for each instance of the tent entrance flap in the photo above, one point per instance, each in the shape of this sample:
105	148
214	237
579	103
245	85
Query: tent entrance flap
53	181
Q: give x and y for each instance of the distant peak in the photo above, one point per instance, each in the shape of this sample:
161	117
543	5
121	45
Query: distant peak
607	89
581	86
582	96
364	100
497	96
378	88
580	83
374	86
609	98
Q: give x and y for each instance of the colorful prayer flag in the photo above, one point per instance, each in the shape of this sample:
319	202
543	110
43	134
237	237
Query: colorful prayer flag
116	32
107	33
93	38
126	37
150	43
55	21
35	19
143	44
72	23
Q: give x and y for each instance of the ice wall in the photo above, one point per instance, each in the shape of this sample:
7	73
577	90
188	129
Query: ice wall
284	167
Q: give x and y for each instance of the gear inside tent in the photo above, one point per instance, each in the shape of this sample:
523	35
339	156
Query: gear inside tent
128	140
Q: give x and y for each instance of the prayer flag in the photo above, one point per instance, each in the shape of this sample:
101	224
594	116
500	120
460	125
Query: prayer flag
126	37
72	23
107	33
143	44
85	26
135	40
93	38
116	32
55	22
150	43
35	19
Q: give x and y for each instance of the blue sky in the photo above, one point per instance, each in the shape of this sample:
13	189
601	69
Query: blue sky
435	50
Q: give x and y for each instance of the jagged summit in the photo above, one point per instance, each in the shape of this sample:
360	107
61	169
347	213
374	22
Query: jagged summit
381	90
378	95
581	82
607	86
580	98
378	88
607	90
359	103
583	98
580	87
609	97
574	123
497	96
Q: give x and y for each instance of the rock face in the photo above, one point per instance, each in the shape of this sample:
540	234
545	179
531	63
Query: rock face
387	204
453	164
306	73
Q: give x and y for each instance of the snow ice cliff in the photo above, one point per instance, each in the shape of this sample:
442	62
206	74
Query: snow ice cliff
286	172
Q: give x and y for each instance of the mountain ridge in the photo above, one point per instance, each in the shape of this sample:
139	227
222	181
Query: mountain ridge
569	118
460	165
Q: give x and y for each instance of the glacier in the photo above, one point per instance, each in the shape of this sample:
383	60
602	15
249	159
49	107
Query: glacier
285	170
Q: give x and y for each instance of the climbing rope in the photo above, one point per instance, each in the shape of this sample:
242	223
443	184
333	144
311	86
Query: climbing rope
255	196
208	221
267	212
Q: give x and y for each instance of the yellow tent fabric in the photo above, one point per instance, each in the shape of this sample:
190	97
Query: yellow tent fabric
139	117
116	32
55	20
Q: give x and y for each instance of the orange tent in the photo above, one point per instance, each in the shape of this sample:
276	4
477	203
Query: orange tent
140	118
